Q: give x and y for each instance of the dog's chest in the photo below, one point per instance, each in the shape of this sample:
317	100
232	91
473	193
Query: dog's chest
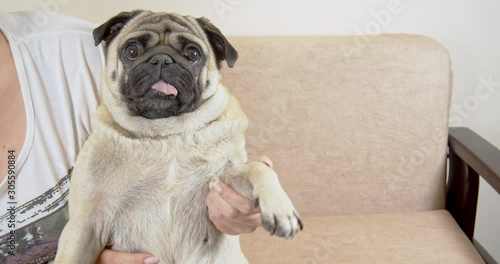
175	166
162	201
167	172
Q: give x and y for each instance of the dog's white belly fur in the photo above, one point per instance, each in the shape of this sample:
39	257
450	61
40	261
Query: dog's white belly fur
152	193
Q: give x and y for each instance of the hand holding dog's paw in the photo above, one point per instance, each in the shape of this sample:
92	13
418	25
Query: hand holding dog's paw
278	214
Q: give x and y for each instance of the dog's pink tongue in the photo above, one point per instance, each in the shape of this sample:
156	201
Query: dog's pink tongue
165	88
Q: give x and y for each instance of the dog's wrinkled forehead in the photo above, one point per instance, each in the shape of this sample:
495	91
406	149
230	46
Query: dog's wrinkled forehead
164	28
163	22
168	28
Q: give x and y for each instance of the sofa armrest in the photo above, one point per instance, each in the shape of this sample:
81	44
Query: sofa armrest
469	156
478	153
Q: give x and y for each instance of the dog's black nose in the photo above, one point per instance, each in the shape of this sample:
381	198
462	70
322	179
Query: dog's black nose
161	59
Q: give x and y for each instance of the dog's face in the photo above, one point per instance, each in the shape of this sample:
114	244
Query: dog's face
161	65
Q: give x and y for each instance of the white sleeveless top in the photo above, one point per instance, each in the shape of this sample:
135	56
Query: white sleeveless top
59	71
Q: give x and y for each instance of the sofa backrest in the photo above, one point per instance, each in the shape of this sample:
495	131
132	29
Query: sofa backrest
353	124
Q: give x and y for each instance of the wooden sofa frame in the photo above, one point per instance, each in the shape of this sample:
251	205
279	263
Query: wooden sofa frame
470	156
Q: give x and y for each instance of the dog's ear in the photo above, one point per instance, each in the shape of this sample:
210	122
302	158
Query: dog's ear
107	31
222	48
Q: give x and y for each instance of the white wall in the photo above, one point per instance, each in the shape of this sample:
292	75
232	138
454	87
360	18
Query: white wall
469	29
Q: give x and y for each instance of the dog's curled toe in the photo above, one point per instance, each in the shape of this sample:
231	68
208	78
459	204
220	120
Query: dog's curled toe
278	215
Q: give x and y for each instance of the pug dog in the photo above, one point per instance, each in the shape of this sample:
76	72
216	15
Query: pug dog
166	126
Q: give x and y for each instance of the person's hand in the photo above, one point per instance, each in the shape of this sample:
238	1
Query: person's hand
231	212
118	257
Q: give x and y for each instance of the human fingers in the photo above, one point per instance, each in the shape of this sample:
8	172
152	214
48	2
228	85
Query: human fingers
228	219
266	160
119	257
237	201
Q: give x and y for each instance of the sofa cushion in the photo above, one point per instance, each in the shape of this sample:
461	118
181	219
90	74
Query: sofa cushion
418	237
351	128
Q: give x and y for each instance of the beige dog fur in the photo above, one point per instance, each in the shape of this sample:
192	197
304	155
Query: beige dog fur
143	182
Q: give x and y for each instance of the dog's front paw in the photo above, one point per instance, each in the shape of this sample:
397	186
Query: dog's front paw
278	214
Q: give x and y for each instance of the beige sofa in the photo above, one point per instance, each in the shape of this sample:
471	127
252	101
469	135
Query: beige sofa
358	131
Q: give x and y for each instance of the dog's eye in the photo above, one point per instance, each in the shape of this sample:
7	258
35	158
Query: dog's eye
192	54
133	50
